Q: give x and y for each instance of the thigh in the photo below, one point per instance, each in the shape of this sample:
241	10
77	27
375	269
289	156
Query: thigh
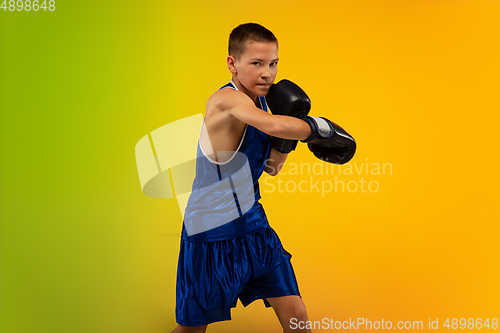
291	303
289	309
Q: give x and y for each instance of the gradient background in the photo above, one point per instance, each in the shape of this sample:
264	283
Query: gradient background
415	82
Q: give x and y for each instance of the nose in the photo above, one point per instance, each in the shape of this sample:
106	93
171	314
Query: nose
266	72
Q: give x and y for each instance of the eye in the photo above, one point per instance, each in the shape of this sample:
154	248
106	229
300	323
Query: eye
256	63
274	64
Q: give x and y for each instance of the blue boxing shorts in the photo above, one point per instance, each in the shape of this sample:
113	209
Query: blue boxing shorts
211	276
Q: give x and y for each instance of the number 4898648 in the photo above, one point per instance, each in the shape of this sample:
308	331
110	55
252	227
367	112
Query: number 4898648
28	5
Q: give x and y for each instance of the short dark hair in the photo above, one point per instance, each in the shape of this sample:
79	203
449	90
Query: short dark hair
248	32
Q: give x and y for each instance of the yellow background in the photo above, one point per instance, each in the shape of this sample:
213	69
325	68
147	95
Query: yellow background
415	83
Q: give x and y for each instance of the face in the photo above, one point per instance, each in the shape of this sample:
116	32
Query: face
256	69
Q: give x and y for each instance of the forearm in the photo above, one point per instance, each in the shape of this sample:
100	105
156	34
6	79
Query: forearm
275	162
284	127
281	126
291	128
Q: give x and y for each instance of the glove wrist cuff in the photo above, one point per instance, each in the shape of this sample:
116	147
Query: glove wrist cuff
320	129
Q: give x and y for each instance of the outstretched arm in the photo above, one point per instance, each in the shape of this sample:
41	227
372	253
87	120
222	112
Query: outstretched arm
239	106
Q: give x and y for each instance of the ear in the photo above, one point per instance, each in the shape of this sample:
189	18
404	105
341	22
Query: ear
231	61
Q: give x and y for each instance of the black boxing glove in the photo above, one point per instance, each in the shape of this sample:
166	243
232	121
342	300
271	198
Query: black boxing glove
287	99
328	141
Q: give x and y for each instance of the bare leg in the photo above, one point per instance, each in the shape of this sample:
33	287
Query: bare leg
288	307
190	329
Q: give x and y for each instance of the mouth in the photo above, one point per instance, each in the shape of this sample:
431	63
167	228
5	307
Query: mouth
264	85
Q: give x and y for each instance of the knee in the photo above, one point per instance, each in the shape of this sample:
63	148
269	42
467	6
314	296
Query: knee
298	310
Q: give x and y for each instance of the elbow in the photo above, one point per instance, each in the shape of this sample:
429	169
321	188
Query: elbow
272	172
273	169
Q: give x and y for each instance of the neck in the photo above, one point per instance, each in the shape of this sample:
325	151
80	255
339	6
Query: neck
241	88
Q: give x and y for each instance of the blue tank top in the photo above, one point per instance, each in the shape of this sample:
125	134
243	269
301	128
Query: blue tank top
224	202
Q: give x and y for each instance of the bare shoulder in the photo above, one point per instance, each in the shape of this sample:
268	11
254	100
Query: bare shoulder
222	131
226	99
